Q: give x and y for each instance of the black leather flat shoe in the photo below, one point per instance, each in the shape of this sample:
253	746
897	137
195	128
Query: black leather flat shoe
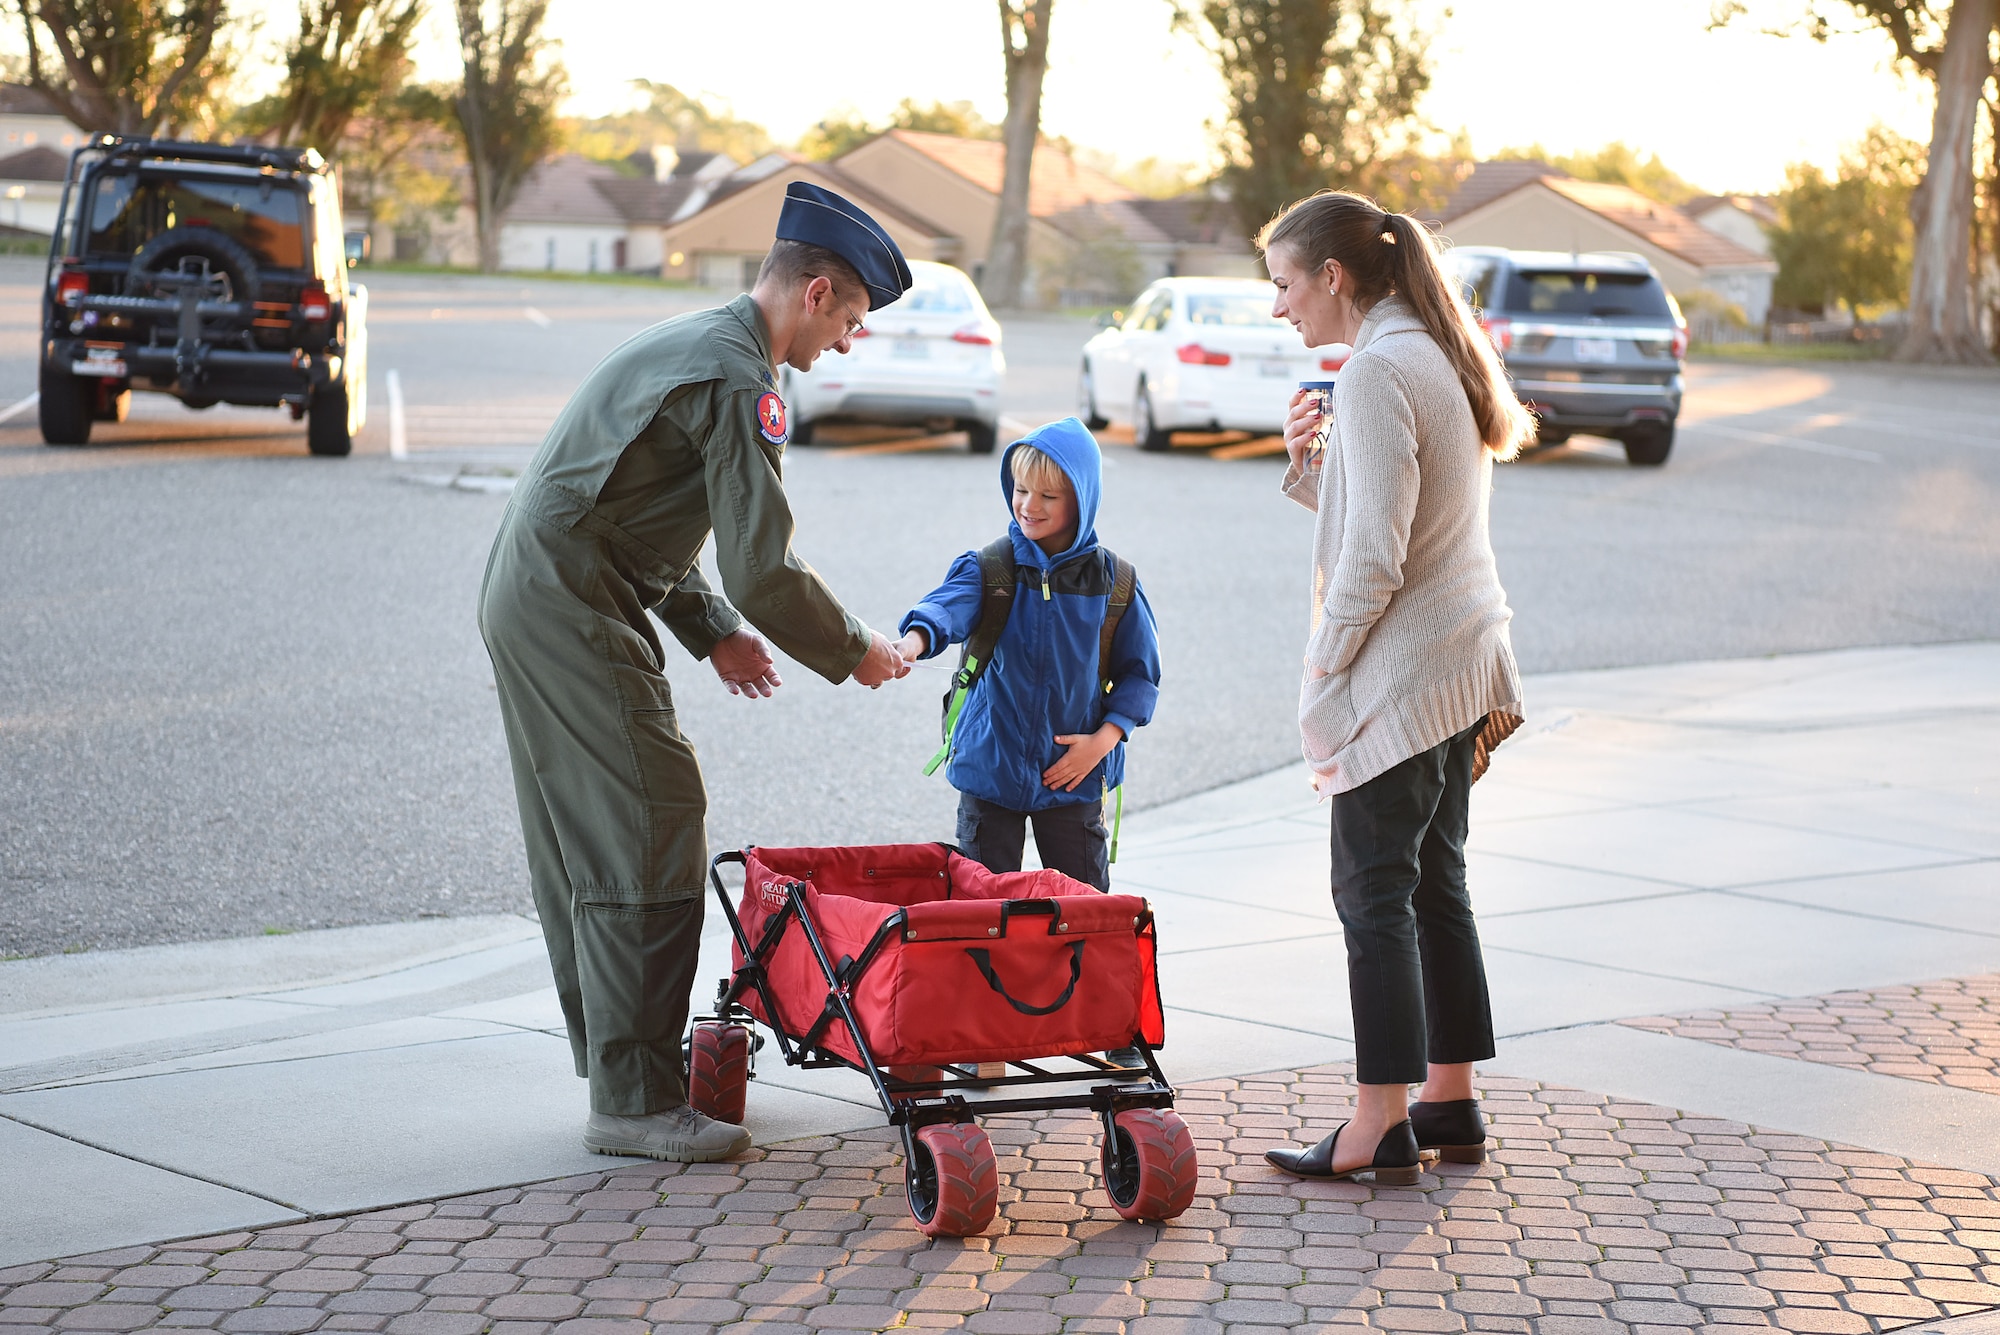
1454	1129
1396	1163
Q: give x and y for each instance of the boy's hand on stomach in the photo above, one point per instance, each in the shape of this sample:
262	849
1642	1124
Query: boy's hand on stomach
1085	750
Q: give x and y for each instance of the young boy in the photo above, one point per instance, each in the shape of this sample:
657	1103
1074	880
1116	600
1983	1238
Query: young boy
1040	738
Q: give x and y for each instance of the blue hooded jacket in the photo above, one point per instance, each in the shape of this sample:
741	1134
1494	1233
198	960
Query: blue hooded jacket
1043	679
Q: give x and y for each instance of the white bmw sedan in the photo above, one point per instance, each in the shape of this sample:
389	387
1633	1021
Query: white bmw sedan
1198	354
933	358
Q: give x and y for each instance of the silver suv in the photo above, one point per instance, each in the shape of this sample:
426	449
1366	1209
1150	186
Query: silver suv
1593	342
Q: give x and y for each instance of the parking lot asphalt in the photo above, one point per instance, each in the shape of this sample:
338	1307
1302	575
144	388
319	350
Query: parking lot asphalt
241	689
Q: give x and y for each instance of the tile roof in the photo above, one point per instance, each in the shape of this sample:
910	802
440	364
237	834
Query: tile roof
1193	219
571	188
17	99
1761	207
1490	180
35	164
1658	224
1057	182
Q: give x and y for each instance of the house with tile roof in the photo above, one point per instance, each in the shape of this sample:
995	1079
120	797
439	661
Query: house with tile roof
31	183
1090	239
577	215
1744	219
719	234
30	120
1556	212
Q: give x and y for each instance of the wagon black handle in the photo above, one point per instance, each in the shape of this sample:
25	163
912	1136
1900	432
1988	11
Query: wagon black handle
984	959
1014	908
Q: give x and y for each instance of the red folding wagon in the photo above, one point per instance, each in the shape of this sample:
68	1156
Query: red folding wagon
915	966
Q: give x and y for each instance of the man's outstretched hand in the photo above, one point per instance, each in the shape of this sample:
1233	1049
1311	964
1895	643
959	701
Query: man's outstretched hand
745	665
883	662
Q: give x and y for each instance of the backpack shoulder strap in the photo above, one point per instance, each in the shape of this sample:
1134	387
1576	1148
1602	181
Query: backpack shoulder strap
1123	579
997	577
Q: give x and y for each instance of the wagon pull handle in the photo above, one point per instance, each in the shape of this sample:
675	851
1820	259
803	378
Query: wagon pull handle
984	959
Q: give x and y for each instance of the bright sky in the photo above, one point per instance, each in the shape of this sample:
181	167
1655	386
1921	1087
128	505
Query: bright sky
1726	109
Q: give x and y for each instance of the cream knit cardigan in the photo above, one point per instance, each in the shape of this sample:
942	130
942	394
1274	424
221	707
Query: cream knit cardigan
1409	620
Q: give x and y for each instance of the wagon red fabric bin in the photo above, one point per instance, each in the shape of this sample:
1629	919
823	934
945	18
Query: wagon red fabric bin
957	992
976	966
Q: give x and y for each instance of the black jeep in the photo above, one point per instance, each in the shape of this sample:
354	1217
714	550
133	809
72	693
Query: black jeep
214	273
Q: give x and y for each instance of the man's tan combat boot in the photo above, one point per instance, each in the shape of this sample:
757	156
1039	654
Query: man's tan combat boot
681	1135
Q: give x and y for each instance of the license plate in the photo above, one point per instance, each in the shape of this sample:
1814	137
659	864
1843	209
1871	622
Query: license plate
912	347
1596	350
1274	369
98	366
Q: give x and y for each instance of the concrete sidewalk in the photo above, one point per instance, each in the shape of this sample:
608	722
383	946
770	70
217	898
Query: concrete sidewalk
1676	841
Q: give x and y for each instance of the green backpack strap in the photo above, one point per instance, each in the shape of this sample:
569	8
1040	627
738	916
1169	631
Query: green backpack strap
998	575
1123	579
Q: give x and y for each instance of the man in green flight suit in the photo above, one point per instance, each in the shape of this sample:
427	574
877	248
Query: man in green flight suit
677	434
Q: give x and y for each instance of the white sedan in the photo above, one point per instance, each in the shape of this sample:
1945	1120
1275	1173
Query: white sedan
1198	354
933	358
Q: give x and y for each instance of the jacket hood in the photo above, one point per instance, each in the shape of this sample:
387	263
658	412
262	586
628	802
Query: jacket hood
1074	449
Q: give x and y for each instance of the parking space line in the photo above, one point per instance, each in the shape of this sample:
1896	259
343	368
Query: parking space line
399	440
1257	448
920	445
1789	442
16	410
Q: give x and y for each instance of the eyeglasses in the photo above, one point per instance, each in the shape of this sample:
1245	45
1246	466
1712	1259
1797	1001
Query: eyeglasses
855	328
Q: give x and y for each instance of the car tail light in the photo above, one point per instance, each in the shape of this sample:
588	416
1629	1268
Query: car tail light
1333	363
1194	354
863	332
1680	345
314	304
71	285
972	333
1501	332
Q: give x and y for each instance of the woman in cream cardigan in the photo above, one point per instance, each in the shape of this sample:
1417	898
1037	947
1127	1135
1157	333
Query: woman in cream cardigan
1407	661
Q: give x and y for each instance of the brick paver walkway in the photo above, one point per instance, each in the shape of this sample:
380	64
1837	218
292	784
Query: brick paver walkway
1947	1032
1592	1217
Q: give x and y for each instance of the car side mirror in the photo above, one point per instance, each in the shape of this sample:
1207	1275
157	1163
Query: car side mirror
1110	319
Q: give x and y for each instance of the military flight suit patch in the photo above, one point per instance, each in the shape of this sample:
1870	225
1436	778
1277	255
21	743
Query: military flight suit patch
771	418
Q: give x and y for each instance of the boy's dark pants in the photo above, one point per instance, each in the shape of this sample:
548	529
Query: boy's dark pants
1071	838
1414	971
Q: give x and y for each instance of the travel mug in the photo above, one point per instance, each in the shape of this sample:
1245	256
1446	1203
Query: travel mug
1322	394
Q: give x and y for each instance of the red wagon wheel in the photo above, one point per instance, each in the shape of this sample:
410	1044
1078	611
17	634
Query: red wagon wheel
1149	1164
719	1070
954	1184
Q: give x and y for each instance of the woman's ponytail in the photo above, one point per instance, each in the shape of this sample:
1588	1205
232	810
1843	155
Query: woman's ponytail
1393	252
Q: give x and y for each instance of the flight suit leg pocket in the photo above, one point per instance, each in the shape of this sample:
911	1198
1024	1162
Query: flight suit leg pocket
675	855
638	961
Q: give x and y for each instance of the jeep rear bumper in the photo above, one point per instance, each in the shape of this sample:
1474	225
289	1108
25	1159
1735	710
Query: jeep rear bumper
231	375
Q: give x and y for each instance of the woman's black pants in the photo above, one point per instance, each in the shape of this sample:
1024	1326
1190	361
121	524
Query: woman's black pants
1414	972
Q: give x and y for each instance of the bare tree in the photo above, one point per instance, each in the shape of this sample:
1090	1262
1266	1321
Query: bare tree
506	108
1951	42
348	58
132	67
1024	41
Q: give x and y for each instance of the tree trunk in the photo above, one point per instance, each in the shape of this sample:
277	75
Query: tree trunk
472	119
1943	325
1024	30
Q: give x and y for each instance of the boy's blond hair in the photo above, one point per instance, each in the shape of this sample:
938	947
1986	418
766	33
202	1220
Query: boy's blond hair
1041	473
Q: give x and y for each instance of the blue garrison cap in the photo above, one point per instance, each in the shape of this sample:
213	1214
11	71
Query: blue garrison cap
821	218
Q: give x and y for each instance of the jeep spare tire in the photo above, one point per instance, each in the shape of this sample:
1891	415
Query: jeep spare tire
223	254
